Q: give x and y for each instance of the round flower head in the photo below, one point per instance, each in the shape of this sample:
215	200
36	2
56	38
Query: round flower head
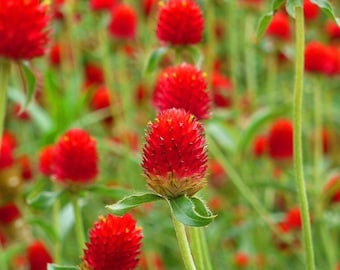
280	140
332	30
9	213
38	256
124	22
46	160
174	156
75	157
279	27
180	22
182	86
114	244
23	29
310	10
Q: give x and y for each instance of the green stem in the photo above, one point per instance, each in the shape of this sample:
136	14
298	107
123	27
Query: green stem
250	54
206	256
3	261
196	247
183	244
5	67
57	244
298	157
78	223
317	134
211	39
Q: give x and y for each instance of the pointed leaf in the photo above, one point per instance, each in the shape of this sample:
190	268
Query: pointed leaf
290	6
46	227
132	201
43	200
154	59
276	4
191	211
30	83
61	267
327	8
263	24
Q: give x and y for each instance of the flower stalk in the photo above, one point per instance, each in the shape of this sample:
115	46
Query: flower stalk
5	68
79	226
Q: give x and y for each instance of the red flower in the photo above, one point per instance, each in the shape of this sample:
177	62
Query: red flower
76	157
221	90
46	160
310	10
94	74
260	145
26	167
148	6
180	22
123	22
293	219
241	259
280	140
98	5
55	55
182	86
279	27
6	151
333	187
38	256
9	213
115	243
23	29
20	113
101	100
175	156
332	30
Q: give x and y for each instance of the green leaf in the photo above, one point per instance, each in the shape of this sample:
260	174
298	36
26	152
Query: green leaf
219	131
196	55
256	122
46	227
30	83
263	24
290	6
61	267
191	211
43	200
327	8
132	201
114	193
276	4
154	59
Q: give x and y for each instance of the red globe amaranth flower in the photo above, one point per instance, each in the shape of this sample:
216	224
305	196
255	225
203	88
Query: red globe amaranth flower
26	167
333	188
280	140
55	55
293	219
221	88
182	86
93	74
38	256
180	22
6	151
23	29
241	259
56	8
279	27
260	145
175	156
46	160
9	213
115	243
99	5
326	141
332	30
76	157
148	6
123	22
310	10
322	59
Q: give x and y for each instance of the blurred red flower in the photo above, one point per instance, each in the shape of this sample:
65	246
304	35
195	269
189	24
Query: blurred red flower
279	27
7	150
46	160
310	10
98	5
221	88
123	22
241	259
332	30
9	213
280	140
101	100
38	256
333	187
260	145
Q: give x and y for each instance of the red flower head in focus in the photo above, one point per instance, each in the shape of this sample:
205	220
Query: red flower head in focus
123	22
332	30
76	157
310	10
115	243
23	29
46	160
279	27
174	156
9	213
98	5
182	86
38	256
280	140
180	22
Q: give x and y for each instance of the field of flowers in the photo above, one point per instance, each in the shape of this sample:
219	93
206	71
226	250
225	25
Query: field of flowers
166	135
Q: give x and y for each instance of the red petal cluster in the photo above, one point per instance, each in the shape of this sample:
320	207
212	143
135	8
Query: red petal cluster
333	187
98	5
23	29
100	99
175	156
260	145
221	90
114	244
46	160
94	75
293	219
280	140
180	22
310	10
6	151
332	30
323	59
9	213
26	167
123	22
241	259
279	27
76	157
148	6
182	86
38	256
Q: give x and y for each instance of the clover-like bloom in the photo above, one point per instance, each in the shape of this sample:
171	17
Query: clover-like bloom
114	244
23	29
174	156
180	22
183	86
75	157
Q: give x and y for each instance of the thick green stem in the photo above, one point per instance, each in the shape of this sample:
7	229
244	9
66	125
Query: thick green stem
79	226
196	247
206	255
5	68
298	157
183	244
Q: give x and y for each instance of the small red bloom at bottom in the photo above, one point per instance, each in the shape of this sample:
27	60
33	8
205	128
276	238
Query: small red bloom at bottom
114	244
241	259
38	256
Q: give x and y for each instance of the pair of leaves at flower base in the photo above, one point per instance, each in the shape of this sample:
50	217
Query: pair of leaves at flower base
265	20
191	211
